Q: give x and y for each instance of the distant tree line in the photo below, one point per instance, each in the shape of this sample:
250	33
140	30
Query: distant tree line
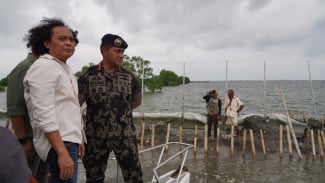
3	84
136	65
141	69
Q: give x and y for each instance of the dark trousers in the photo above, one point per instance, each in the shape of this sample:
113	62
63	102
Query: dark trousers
212	120
52	159
126	152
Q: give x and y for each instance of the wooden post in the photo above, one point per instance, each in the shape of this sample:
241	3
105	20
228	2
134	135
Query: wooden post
262	142
180	137
48	177
252	143
217	141
167	136
142	136
244	141
280	142
307	143
323	137
313	143
232	140
206	139
289	142
195	140
153	135
321	153
290	125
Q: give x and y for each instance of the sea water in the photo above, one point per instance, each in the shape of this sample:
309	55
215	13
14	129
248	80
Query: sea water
238	168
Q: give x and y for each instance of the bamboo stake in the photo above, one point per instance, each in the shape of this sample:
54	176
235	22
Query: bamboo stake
313	143
232	141
323	137
290	125
262	142
264	89
226	75
142	135
167	136
183	93
180	137
280	143
217	141
252	143
244	141
289	142
153	135
195	140
142	106
206	139
321	153
307	143
312	91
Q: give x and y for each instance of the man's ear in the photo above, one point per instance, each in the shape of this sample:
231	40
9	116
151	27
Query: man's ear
46	44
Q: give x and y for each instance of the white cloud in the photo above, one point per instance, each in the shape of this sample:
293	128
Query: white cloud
204	34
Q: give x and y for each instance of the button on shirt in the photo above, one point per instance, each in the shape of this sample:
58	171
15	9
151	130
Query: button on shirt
51	95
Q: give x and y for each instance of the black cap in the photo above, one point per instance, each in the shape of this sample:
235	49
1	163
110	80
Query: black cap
113	40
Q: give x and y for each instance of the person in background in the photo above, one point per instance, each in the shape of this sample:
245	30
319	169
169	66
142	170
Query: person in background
213	113
233	106
51	95
14	167
110	92
18	115
207	98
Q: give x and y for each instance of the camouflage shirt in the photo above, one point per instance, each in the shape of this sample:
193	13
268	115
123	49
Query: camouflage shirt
108	97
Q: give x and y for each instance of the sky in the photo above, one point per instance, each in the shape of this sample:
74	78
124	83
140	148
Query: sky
210	40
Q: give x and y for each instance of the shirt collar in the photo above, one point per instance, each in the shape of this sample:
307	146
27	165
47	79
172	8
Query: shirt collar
50	57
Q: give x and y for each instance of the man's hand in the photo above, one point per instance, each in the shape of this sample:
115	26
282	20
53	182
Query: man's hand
29	150
66	166
81	151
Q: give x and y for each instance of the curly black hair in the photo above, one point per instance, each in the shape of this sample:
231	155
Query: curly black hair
37	35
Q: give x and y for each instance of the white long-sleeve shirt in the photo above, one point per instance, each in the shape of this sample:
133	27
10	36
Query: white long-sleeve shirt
51	95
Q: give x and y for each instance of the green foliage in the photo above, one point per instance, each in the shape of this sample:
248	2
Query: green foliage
136	65
154	83
4	81
2	88
169	78
84	69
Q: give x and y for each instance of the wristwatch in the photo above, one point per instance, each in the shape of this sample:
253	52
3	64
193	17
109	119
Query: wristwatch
23	141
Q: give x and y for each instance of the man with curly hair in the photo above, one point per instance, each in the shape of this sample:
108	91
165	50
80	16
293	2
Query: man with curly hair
51	95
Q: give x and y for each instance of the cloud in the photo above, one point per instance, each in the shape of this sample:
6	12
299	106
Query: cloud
203	34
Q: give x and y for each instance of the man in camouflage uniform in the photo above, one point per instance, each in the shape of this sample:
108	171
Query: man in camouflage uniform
110	92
